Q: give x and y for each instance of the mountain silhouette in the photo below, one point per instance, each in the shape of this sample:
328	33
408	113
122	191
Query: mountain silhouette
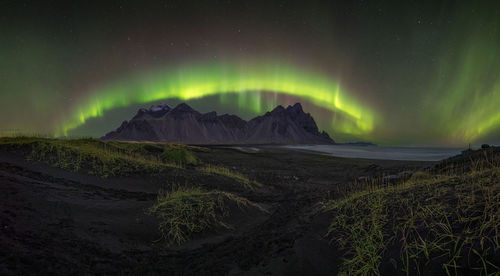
183	124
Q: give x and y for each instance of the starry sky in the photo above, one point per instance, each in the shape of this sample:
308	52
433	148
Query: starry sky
415	73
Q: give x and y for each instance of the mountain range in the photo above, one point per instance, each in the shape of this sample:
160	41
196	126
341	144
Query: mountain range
183	124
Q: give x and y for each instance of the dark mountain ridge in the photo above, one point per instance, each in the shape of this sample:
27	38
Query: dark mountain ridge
183	124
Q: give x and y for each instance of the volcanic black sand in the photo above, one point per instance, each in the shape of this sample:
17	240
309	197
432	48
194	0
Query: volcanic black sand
57	221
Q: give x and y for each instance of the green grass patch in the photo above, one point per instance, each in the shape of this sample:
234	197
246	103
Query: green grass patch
185	212
223	171
166	152
179	155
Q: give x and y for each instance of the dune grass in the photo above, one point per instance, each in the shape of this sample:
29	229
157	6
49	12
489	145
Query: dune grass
180	155
184	212
223	171
431	223
101	158
115	158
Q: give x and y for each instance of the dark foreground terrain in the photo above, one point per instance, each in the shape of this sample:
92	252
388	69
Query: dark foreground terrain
275	212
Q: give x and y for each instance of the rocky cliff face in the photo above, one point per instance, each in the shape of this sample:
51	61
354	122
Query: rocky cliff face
183	124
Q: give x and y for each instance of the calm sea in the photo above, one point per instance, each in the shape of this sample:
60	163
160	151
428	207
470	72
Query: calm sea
385	153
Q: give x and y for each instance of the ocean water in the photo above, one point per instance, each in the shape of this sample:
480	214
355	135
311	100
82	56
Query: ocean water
382	153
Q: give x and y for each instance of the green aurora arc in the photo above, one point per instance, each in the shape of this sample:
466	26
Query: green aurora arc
201	80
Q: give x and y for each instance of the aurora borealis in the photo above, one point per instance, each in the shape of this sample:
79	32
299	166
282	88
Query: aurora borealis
200	81
423	73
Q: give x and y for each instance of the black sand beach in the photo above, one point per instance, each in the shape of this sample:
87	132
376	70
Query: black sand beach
55	221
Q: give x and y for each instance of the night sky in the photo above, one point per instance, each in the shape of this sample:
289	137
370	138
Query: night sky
389	72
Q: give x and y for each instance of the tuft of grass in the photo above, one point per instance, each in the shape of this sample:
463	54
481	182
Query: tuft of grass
179	155
359	230
427	224
421	177
185	212
218	170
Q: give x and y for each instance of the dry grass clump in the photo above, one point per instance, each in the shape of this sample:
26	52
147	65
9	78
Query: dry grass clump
218	170
421	177
428	224
359	231
185	212
470	160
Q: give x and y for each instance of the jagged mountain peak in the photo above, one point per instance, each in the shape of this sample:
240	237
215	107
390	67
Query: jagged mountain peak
161	106
184	124
297	107
183	107
154	111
